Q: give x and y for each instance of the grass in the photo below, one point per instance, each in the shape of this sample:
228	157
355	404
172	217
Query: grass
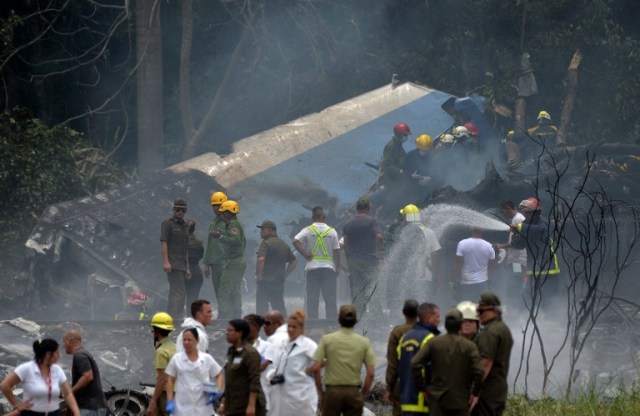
625	403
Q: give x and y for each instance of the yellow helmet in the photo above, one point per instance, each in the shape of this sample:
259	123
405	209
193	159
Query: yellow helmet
231	206
468	310
218	198
162	320
411	213
544	115
423	142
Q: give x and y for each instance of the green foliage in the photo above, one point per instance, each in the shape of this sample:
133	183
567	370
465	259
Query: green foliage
41	165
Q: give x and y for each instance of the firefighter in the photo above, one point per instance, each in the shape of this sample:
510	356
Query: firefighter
136	307
393	179
470	322
214	257
162	325
418	164
233	243
533	234
543	134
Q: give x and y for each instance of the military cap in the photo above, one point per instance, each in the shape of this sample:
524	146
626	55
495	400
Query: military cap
489	299
267	224
454	314
179	203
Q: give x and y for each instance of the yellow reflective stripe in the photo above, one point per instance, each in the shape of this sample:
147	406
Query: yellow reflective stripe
556	265
319	244
420	407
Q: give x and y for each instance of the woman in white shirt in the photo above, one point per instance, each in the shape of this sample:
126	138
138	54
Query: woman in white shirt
293	391
42	381
188	372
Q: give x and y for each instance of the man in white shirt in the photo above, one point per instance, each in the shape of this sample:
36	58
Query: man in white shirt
516	258
475	258
318	243
201	316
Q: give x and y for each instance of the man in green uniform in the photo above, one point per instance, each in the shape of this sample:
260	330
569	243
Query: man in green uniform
275	262
214	257
232	238
343	353
174	245
455	370
494	343
162	325
410	312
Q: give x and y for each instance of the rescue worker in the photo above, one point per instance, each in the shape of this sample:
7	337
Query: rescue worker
162	325
470	323
393	178
233	244
136	307
319	245
456	373
214	257
413	259
533	235
174	244
515	262
412	399
461	135
494	343
445	142
543	134
418	165
392	393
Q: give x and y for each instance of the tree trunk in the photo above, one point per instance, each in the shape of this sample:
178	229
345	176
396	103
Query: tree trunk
149	87
185	69
191	147
570	99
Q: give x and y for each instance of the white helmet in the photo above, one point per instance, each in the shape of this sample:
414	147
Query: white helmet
468	310
460	131
447	139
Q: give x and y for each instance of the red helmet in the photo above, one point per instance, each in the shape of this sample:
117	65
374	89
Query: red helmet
402	129
472	129
138	298
531	204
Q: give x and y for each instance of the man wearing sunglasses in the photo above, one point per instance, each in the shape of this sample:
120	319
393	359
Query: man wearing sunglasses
494	343
174	243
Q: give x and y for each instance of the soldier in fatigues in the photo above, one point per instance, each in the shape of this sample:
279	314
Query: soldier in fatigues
174	244
456	373
214	257
232	238
494	343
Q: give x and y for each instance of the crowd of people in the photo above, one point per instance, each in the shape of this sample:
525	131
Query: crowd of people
287	373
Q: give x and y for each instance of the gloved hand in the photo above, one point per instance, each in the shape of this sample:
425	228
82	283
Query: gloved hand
213	396
171	407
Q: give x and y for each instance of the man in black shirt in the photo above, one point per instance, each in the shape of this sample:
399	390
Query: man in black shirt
85	377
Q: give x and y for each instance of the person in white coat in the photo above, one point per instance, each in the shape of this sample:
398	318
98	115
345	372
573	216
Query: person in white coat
191	374
201	316
295	392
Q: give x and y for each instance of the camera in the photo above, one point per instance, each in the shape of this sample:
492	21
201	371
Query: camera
277	379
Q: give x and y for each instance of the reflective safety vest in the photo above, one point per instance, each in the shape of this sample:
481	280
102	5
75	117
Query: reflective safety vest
319	250
411	399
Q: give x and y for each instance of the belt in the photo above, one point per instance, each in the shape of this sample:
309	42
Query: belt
32	413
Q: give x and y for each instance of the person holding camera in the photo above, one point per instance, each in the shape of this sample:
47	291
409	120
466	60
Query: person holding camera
294	391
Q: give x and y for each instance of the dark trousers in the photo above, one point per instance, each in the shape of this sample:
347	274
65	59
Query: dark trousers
270	292
193	285
471	292
321	280
485	408
177	293
345	400
362	282
32	413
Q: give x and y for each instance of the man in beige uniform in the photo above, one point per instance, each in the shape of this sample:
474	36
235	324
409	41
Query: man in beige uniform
343	353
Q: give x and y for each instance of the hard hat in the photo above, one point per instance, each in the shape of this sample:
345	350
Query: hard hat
411	213
231	206
218	198
468	310
138	298
423	142
447	139
460	131
473	130
401	129
531	204
544	115
162	320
